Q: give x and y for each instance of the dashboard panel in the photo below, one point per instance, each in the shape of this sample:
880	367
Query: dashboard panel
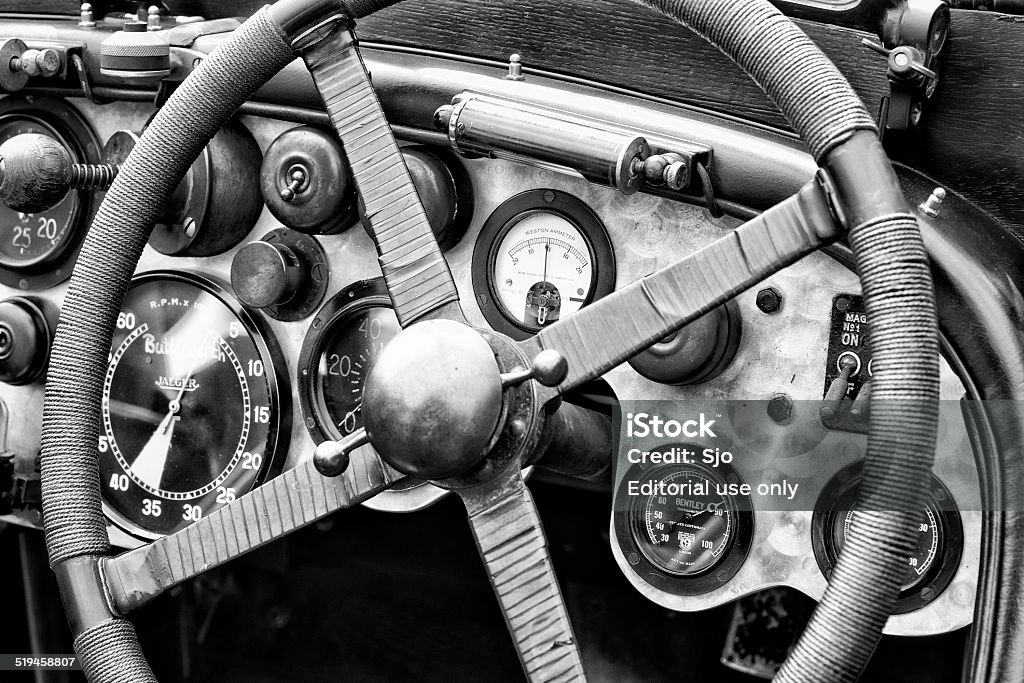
609	240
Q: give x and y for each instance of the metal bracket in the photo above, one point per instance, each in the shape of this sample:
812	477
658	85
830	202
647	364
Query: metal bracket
913	36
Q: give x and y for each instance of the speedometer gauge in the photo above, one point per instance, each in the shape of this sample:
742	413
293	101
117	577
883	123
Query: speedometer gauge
191	409
344	340
541	256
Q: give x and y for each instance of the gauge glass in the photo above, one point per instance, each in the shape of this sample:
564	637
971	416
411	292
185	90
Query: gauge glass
929	540
350	347
686	526
543	269
190	405
30	240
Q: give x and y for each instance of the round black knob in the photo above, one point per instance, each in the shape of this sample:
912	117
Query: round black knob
35	172
444	189
696	353
25	336
265	274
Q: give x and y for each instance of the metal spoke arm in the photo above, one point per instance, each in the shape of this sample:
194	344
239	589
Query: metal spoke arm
298	497
416	274
511	542
617	327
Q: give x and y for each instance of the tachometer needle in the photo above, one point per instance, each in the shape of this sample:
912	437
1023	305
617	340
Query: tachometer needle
148	468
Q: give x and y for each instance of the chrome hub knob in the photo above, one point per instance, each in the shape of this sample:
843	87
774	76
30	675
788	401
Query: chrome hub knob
433	400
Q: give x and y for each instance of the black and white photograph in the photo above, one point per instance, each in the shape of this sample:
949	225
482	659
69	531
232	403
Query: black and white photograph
653	341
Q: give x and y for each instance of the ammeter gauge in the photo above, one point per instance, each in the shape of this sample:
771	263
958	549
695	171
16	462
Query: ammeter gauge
541	256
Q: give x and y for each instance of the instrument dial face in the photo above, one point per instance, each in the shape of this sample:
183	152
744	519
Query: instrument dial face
686	526
541	256
190	408
938	531
349	350
30	241
344	340
929	540
543	269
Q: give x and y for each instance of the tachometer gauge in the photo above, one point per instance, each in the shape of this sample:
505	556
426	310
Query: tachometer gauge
542	255
681	526
938	531
344	340
192	412
35	249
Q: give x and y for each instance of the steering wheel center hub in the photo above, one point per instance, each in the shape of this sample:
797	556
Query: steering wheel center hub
433	400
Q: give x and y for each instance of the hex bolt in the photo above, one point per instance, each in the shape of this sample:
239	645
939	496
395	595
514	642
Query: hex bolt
780	409
769	300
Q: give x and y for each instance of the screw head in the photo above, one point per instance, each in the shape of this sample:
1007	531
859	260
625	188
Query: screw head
769	300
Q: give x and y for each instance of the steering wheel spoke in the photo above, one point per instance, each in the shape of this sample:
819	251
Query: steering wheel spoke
612	330
416	274
298	497
512	544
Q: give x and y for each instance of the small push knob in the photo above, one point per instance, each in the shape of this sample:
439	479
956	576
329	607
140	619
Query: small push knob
25	335
36	172
266	274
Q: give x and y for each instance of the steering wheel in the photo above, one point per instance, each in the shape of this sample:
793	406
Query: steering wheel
466	408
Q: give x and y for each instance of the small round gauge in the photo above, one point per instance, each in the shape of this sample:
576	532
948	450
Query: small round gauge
685	524
191	409
939	537
344	340
681	526
542	255
34	247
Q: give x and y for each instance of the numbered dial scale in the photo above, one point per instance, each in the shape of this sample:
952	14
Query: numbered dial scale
542	255
192	414
684	532
36	250
939	534
344	339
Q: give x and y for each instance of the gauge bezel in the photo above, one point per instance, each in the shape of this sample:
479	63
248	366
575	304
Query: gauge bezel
356	297
72	130
626	517
504	218
951	536
280	425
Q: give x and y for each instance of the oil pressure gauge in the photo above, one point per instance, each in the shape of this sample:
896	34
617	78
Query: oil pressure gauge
541	256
